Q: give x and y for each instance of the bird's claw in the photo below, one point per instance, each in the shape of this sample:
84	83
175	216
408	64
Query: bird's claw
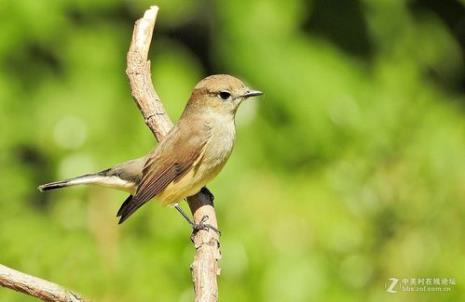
204	226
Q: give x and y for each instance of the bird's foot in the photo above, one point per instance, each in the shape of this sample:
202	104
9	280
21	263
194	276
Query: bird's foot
204	226
197	226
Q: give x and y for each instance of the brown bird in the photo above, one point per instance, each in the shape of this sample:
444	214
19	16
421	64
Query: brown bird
191	154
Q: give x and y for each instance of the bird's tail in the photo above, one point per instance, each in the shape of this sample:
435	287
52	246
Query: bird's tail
79	180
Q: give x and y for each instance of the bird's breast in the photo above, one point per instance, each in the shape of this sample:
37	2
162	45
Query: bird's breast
220	145
216	153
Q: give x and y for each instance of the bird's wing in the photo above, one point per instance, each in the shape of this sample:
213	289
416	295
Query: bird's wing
175	156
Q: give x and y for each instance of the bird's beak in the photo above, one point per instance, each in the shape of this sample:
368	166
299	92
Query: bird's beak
251	93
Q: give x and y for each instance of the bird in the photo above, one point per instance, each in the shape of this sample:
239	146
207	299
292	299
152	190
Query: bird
192	153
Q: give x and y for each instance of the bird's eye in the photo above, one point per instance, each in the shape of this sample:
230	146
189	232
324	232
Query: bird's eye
224	95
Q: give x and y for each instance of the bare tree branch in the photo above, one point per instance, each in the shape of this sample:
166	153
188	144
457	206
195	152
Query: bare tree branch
205	267
36	287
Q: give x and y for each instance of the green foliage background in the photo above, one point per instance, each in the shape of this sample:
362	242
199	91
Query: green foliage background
349	171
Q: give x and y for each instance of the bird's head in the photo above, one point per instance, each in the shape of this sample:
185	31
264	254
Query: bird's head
220	93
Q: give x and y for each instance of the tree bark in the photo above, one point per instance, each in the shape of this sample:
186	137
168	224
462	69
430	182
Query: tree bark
36	287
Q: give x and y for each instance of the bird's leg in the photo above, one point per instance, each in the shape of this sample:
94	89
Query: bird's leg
183	214
197	226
